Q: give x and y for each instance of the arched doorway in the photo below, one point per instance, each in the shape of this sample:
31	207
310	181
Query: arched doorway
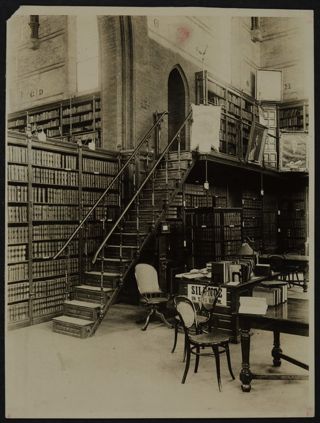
176	107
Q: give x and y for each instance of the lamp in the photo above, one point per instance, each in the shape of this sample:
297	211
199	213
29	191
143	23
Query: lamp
246	250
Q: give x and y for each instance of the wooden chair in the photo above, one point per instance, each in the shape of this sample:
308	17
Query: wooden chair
204	315
150	293
197	343
288	272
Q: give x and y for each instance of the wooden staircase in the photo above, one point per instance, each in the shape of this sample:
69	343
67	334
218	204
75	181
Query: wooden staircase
83	314
89	302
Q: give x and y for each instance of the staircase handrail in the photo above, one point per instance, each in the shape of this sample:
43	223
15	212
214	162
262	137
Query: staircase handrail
120	172
140	187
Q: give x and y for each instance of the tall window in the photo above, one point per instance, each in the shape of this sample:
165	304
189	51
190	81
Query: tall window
87	53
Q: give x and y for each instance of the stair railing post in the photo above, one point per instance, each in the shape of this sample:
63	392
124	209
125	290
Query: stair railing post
166	158
102	271
67	274
179	156
86	248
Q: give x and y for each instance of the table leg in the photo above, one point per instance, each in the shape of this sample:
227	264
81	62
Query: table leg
245	373
276	350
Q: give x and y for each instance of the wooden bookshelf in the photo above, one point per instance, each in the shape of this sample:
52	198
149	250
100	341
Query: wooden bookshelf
252	217
238	113
292	222
73	120
49	189
294	116
214	233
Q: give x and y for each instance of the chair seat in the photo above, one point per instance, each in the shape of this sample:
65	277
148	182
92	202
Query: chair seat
155	300
207	339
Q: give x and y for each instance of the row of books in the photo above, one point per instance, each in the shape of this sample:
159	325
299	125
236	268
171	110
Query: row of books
46	306
18	272
51	268
18	312
17	154
231	248
231	234
50	213
90	197
17	173
232	218
249	213
17	253
17	214
49	288
80	118
100	213
18	235
274	295
48	249
17	194
52	159
101	166
252	202
195	201
97	181
77	109
44	232
55	177
50	114
17	122
55	195
18	292
50	124
252	223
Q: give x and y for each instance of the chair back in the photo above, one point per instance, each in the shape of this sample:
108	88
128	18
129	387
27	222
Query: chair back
277	263
147	279
209	298
186	311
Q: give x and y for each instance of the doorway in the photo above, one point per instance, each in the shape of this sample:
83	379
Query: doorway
176	108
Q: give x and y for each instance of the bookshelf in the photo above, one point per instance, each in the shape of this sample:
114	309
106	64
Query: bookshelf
292	222
238	111
73	120
48	192
294	116
252	217
214	233
270	223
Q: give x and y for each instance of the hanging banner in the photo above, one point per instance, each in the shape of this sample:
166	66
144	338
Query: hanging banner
205	128
293	151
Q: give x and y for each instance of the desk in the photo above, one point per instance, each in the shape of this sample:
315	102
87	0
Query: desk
226	309
293	259
290	317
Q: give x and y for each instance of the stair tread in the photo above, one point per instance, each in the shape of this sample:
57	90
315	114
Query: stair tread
82	303
130	233
115	260
93	288
123	246
97	273
74	320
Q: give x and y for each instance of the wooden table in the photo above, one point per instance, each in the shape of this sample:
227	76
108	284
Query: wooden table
294	259
290	317
228	303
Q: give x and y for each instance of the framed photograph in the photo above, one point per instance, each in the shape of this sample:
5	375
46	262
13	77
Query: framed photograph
293	151
256	143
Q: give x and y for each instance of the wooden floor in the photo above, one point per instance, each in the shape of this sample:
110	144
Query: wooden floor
124	372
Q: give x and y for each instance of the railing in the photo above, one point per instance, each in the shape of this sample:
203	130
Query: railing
158	120
138	192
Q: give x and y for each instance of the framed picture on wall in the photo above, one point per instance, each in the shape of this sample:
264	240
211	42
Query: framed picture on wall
294	151
256	143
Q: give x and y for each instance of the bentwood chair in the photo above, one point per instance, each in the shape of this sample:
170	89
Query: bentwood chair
197	344
204	314
150	293
288	272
